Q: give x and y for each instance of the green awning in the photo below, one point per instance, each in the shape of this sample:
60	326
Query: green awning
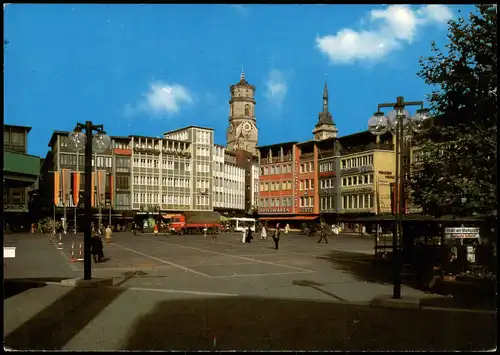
224	219
22	164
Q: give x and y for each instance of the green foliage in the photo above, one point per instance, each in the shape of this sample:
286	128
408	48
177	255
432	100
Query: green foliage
460	161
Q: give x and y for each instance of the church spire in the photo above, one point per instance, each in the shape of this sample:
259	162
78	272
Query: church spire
325	97
242	76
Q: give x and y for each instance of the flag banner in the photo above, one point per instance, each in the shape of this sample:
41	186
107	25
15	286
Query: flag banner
101	187
66	185
76	187
57	186
112	190
92	191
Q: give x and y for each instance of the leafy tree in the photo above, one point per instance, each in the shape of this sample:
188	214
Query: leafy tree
459	173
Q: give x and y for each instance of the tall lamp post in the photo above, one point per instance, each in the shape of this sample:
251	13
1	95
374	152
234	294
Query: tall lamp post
399	123
100	142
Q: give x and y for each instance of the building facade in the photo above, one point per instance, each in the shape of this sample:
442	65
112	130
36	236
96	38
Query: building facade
199	145
329	188
250	163
228	181
21	172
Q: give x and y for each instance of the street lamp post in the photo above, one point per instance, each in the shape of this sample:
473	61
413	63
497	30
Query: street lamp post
399	122
100	142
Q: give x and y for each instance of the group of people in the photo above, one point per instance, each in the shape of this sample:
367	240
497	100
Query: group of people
247	234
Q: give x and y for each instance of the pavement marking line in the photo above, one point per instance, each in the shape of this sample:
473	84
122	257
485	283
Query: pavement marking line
164	261
240	257
134	268
163	290
71	265
269	274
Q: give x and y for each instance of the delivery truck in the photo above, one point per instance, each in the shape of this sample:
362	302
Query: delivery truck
194	222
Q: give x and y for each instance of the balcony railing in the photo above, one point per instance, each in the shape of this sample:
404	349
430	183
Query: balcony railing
307	156
268	160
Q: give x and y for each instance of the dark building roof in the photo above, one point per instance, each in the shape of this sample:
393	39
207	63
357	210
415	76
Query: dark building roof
276	145
27	128
183	128
54	136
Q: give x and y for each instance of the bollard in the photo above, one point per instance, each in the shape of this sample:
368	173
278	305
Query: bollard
73	258
80	252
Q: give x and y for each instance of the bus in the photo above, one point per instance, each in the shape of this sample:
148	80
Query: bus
242	223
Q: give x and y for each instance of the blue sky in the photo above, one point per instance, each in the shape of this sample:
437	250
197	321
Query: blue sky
147	69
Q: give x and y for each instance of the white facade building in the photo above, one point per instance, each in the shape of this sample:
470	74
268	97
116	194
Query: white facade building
228	181
254	178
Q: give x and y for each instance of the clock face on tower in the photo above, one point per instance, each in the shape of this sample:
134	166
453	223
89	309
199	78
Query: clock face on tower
247	128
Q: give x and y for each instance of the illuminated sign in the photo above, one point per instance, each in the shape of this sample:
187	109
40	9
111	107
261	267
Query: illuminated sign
275	210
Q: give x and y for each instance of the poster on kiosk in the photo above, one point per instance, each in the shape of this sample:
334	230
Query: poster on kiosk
463	238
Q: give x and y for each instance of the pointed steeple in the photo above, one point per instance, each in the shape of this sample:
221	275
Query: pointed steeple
325	97
242	76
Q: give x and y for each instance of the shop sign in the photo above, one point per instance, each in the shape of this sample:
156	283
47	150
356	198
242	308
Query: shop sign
357	190
275	210
461	232
327	173
306	210
357	170
387	174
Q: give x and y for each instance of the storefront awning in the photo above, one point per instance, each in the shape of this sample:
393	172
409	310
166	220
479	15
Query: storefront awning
168	215
285	218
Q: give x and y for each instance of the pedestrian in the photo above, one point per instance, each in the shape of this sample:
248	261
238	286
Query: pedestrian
205	231
243	235
97	248
287	228
363	230
249	235
322	234
276	238
109	233
263	233
155	229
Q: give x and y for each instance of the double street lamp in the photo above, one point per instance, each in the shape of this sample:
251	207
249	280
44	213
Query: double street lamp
100	142
399	123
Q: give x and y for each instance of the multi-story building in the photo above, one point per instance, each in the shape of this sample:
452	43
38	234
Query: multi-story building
278	180
250	163
21	172
228	181
122	172
199	143
329	188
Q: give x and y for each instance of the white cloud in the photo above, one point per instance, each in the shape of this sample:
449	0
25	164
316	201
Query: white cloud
276	87
390	29
162	99
243	10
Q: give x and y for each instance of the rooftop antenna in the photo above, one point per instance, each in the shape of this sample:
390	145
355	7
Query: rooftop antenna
242	77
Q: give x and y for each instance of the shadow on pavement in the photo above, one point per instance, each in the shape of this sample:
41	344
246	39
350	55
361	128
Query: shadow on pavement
58	323
362	266
12	287
245	323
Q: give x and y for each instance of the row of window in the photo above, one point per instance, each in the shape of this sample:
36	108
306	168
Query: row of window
276	186
357	201
327	166
328	203
165	181
307	201
165	199
276	169
203	167
229	184
307	184
225	198
179	136
122	200
358	161
327	183
276	202
357	180
167	145
307	167
202	151
165	164
14	138
202	137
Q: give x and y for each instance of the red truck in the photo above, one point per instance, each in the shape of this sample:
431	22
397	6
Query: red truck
194	222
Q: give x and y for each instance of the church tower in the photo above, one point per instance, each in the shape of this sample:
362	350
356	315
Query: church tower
325	128
242	133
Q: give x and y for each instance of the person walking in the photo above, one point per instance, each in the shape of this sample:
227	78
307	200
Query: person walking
109	233
276	237
249	236
287	228
97	248
155	229
322	234
263	233
205	231
243	235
